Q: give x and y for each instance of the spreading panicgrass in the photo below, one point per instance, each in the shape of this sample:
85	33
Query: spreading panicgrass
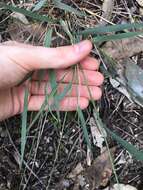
129	147
111	28
48	38
102	128
54	86
65	27
28	13
51	72
106	38
84	127
65	7
98	35
24	126
24	114
137	154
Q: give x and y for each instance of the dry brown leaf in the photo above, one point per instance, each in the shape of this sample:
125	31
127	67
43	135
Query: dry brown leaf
74	175
141	11
121	186
92	177
97	136
124	48
21	32
20	17
140	2
100	171
76	171
107	9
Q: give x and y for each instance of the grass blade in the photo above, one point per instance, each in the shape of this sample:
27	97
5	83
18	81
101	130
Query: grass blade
54	85
83	124
48	38
66	29
47	43
102	129
45	105
129	147
113	28
39	5
24	125
51	72
67	88
52	77
28	13
120	36
67	8
27	77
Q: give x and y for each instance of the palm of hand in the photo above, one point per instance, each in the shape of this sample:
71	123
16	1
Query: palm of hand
15	65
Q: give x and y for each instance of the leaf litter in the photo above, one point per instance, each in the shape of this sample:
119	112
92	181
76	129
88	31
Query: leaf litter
107	9
91	177
129	80
97	136
124	48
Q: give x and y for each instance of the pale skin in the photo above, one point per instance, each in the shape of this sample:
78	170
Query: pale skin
17	60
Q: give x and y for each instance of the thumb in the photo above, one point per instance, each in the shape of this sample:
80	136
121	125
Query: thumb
37	57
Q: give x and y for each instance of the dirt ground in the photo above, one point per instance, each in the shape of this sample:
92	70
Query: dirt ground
52	152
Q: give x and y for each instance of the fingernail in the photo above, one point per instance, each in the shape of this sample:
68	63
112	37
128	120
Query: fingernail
83	46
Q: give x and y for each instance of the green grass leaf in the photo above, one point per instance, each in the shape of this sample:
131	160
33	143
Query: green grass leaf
27	77
120	36
47	43
111	28
51	72
65	27
48	38
39	5
67	8
129	147
43	107
67	88
28	13
84	127
52	77
24	125
54	85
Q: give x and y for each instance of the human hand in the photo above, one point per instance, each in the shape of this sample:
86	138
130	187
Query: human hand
17	60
